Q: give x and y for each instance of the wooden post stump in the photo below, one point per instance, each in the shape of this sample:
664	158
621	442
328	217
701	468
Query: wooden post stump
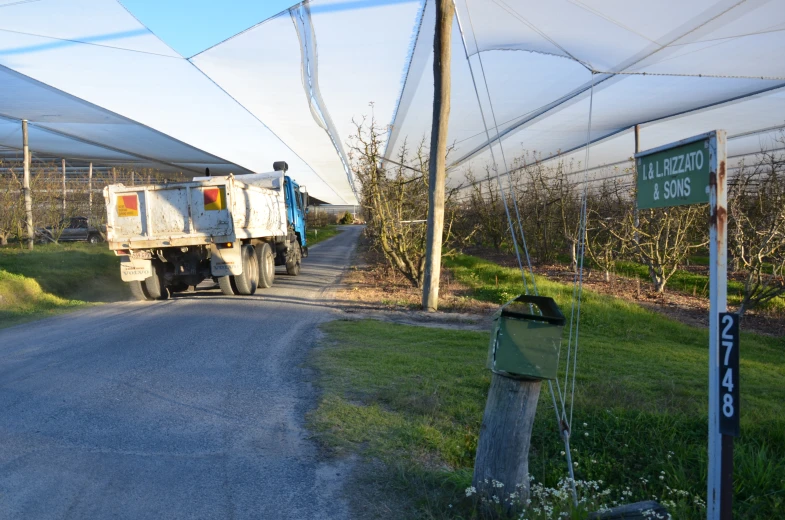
505	436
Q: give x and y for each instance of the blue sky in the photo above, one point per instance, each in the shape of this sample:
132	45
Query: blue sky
191	26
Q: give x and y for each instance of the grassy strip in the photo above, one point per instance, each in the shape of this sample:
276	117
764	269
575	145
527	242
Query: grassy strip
414	397
22	300
76	271
688	282
315	235
54	278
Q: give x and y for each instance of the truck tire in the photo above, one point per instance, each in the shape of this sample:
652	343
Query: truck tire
247	282
266	260
155	286
227	285
138	291
294	260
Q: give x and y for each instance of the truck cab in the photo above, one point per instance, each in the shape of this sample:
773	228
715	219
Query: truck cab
296	198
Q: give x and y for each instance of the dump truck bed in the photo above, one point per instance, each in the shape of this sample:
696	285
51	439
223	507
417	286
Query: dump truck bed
221	209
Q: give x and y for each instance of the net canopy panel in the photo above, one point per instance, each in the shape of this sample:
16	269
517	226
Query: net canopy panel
531	80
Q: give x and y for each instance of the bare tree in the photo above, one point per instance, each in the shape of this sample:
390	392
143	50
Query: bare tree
607	206
757	227
394	198
665	238
485	211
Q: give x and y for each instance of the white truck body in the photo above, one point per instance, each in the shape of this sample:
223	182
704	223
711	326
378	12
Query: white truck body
208	212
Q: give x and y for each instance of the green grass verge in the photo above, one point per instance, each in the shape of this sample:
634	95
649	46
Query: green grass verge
316	235
56	278
22	299
414	397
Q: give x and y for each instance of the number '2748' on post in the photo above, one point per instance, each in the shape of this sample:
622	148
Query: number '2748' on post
729	374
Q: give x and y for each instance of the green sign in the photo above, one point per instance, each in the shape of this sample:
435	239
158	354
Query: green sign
674	176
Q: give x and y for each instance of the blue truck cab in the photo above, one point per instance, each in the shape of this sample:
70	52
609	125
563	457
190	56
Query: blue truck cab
296	200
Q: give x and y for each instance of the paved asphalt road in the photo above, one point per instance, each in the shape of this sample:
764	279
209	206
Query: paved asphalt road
188	408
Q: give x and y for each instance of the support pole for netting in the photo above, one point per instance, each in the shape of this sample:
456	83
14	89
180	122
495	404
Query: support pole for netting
445	10
26	187
90	193
63	188
114	176
133	181
637	222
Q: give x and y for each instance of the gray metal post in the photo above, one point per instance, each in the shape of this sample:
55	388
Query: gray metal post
63	188
90	194
718	294
637	221
26	187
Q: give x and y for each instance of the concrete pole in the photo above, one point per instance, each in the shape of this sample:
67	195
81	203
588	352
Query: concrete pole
63	188
445	10
133	181
26	188
90	194
114	176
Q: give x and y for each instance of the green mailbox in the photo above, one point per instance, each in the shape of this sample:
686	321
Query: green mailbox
525	338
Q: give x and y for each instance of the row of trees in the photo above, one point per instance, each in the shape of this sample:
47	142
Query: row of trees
549	195
56	199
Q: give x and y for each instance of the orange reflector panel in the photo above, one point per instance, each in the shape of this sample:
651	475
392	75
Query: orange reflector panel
127	206
214	199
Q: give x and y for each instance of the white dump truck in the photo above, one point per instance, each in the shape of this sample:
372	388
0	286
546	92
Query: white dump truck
233	229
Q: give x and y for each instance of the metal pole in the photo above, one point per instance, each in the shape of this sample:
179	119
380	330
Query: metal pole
637	221
26	188
63	188
90	194
718	293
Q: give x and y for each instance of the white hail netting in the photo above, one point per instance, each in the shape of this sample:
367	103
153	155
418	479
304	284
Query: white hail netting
95	83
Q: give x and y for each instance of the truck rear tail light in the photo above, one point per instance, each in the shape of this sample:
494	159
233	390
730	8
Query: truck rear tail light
121	252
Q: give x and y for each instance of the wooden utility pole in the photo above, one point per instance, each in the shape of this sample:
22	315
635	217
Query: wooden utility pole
26	187
505	436
445	10
63	188
90	194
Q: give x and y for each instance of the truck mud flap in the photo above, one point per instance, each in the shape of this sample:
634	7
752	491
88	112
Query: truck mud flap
135	269
226	261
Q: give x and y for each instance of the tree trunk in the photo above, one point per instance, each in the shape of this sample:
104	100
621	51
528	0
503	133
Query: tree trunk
505	436
437	161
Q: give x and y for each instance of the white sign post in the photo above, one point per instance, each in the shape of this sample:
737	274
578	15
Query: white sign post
718	294
677	174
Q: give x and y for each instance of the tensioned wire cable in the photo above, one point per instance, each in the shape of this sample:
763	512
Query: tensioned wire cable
493	157
564	427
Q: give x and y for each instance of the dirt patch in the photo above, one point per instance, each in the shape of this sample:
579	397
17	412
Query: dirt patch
372	289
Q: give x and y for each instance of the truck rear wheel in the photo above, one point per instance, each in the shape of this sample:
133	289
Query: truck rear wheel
138	291
266	260
155	285
294	260
227	285
247	282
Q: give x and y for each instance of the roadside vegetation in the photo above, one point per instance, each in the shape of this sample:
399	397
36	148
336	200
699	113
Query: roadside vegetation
55	278
412	398
314	235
